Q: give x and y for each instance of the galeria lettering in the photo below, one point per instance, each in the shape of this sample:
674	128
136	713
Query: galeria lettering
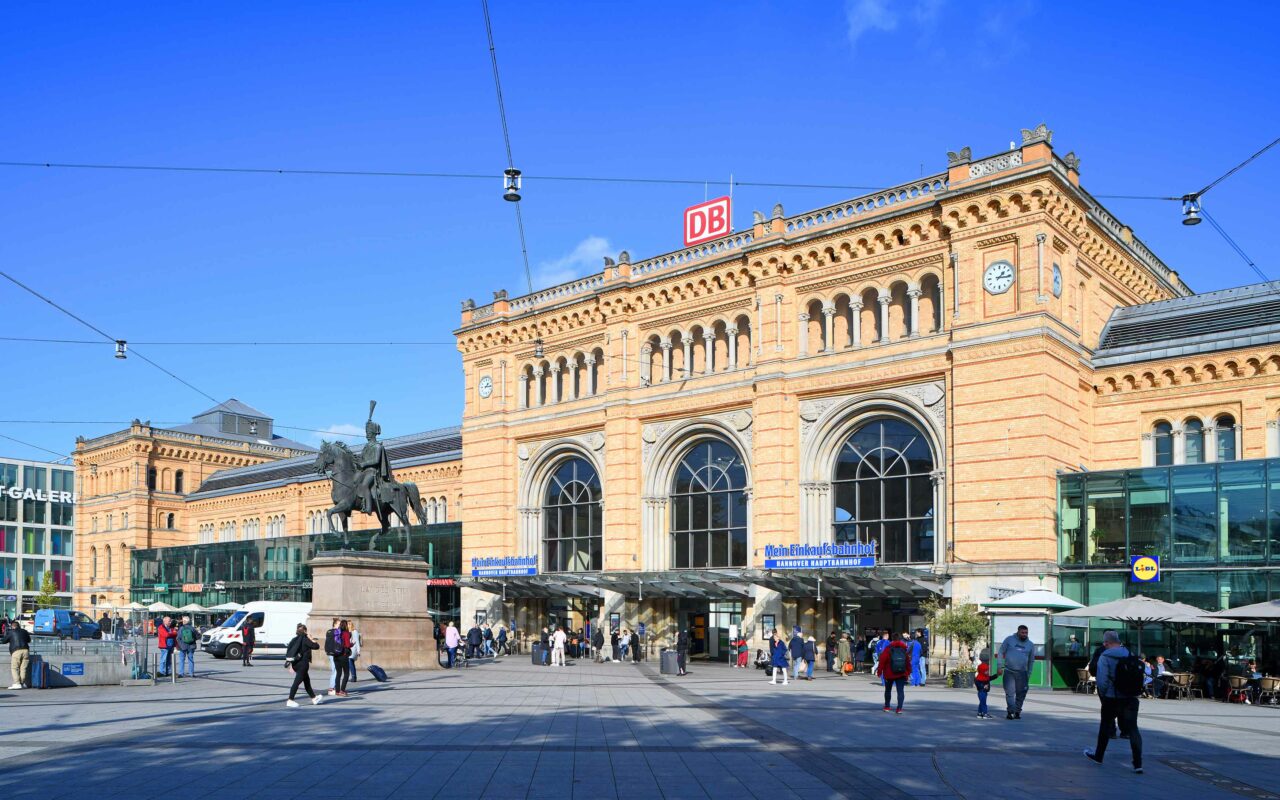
37	494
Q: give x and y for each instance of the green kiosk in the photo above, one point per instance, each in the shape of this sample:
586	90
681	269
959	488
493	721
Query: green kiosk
1035	609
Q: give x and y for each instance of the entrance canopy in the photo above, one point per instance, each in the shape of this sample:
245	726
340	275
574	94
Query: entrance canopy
717	584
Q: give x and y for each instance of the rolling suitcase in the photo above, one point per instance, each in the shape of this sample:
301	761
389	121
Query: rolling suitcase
39	673
379	674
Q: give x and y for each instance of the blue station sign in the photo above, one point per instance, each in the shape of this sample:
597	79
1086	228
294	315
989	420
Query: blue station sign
503	566
819	556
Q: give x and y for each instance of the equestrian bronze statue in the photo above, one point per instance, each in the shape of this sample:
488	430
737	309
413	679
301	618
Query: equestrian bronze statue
363	482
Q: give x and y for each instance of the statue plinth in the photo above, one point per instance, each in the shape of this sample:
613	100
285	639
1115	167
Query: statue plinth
385	594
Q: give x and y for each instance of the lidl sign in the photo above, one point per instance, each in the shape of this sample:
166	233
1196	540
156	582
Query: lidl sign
1144	569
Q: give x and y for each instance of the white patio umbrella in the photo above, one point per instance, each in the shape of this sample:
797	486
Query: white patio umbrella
1141	611
227	606
160	605
1039	597
136	606
1268	611
194	608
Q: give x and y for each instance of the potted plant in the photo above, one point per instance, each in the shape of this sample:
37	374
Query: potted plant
963	624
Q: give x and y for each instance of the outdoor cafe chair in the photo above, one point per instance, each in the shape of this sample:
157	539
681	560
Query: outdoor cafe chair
1270	690
1178	686
1236	688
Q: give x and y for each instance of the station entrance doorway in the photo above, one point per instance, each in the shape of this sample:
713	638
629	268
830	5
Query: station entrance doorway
708	623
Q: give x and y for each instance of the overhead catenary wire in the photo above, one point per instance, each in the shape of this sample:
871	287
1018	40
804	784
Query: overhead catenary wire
232	343
506	140
489	177
1234	169
1236	247
62	456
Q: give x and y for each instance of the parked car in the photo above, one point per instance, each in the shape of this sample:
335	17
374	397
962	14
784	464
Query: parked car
276	623
65	624
27	621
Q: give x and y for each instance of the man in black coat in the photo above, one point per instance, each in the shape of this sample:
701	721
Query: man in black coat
474	641
597	642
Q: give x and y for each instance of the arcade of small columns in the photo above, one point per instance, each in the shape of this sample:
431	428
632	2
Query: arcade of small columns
873	315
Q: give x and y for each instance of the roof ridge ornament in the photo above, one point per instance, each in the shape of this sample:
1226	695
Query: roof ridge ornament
1040	133
961	158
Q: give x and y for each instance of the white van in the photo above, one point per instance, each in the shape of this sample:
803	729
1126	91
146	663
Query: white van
275	626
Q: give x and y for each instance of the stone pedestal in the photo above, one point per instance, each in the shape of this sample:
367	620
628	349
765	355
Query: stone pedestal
385	594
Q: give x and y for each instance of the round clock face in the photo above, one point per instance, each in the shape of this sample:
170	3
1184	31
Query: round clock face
1057	281
486	386
998	277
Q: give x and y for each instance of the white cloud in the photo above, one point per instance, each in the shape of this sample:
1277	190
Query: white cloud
865	16
586	258
342	432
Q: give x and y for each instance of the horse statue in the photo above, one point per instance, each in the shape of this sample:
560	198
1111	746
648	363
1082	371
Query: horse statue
337	461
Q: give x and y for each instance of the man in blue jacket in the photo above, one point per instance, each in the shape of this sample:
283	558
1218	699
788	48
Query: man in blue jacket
796	648
1117	706
881	644
1019	655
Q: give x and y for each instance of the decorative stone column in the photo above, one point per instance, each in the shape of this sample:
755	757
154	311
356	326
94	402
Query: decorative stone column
655	545
884	299
646	364
542	387
523	399
1179	445
591	375
829	327
939	478
815	521
687	340
708	352
529	530
665	344
571	378
914	293
555	383
1273	438
803	334
1148	450
732	334
855	323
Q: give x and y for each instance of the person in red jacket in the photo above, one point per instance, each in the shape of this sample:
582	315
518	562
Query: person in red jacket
895	668
166	641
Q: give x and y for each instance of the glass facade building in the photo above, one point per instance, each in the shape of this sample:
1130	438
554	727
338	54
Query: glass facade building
37	517
1215	528
276	568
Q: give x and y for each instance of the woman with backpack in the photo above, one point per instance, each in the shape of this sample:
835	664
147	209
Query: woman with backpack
298	658
895	667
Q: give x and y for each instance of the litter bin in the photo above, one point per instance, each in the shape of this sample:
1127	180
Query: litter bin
670	662
539	654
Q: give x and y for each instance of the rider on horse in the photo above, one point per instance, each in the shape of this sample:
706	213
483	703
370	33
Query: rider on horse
375	467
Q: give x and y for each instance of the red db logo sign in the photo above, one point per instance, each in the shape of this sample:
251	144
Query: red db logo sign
706	221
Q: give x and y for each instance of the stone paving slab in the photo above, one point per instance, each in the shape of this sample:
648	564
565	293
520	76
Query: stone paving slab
511	730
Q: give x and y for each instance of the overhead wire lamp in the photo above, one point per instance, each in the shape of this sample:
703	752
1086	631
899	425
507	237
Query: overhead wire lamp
1191	209
122	348
511	185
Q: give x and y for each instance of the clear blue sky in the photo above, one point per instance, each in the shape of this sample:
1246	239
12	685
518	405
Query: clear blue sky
1155	101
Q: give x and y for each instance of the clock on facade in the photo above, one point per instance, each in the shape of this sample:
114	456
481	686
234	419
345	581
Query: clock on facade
1057	281
998	277
486	386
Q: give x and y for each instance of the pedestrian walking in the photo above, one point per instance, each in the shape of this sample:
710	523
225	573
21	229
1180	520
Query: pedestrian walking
248	639
744	651
878	651
298	658
917	658
624	644
355	650
337	643
187	640
795	648
487	637
597	642
166	641
558	640
832	643
475	640
922	636
1019	655
546	646
19	642
682	652
982	682
451	641
895	668
503	650
615	646
777	658
1120	677
635	647
810	656
843	655
333	665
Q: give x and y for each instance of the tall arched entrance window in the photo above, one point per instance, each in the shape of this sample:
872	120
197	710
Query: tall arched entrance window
572	528
883	491
709	508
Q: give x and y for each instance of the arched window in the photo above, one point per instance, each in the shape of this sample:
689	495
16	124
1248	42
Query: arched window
1193	432
884	491
1162	433
1225	433
572	520
108	560
124	520
93	554
151	479
168	521
444	510
178	483
709	508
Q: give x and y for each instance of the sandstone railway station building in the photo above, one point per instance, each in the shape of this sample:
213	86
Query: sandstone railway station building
982	377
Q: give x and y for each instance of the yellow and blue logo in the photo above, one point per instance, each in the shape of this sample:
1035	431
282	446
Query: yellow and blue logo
1144	569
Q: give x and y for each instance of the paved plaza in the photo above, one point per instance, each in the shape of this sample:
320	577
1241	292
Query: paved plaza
511	730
